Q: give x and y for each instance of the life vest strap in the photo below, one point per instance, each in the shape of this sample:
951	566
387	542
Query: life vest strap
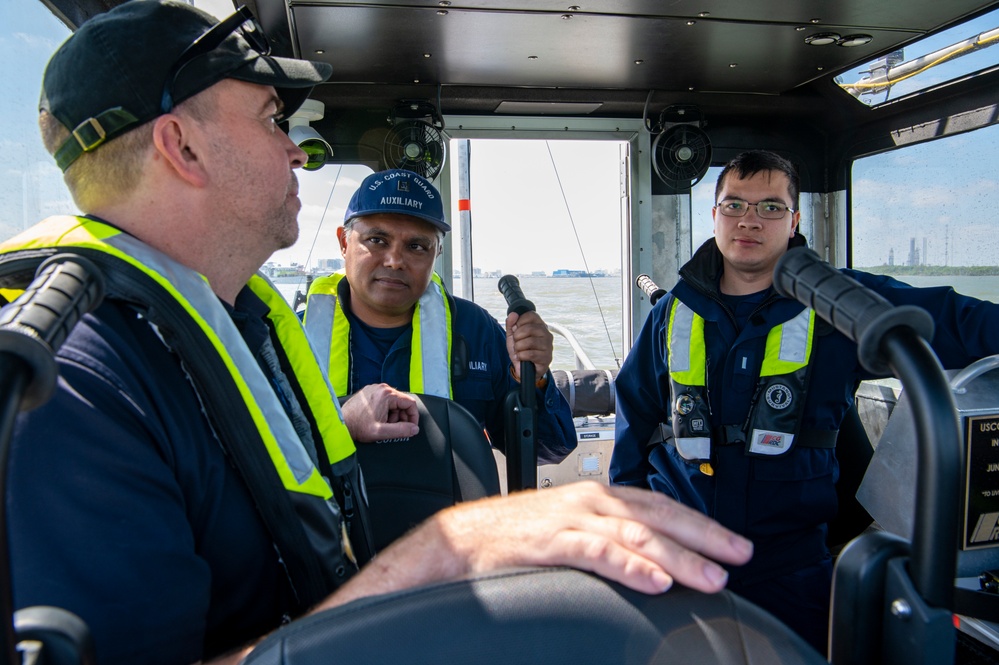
730	435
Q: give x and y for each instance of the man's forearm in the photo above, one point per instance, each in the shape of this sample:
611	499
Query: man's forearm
421	557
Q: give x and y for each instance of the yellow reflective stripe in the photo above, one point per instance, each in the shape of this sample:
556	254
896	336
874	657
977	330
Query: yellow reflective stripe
329	330
53	231
789	345
431	347
449	334
60	230
687	358
415	357
339	367
303	477
320	305
85	233
309	374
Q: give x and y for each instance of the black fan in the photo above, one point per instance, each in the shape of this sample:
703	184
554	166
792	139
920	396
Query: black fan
417	146
681	156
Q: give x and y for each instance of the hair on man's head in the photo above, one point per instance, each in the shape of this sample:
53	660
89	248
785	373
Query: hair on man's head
751	162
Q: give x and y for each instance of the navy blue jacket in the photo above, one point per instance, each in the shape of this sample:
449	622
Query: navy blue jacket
124	509
486	381
781	503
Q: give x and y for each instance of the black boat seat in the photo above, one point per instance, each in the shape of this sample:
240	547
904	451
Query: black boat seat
408	480
540	616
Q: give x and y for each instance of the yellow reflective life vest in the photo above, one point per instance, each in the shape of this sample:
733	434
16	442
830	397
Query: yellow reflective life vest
297	502
328	328
775	416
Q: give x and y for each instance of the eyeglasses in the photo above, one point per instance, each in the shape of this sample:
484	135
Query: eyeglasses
764	209
241	22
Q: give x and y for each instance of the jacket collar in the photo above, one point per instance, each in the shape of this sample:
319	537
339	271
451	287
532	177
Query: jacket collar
704	269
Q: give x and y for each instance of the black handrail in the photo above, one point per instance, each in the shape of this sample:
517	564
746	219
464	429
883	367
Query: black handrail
32	328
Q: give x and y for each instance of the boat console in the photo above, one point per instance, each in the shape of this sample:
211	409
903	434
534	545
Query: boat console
886	491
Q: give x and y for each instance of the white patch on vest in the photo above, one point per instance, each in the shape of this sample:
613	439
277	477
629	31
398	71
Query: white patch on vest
478	365
767	442
779	396
744	359
693	448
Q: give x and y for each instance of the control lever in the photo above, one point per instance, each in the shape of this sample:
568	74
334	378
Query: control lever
521	407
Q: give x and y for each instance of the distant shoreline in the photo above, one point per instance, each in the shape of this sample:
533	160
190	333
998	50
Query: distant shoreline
529	275
932	271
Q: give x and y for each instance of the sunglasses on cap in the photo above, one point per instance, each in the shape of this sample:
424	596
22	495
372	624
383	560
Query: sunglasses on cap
241	22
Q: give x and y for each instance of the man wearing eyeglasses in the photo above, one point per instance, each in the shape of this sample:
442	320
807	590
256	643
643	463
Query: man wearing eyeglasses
751	389
191	485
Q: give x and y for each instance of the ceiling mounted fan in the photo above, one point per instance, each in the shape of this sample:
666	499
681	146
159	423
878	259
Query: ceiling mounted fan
681	151
416	140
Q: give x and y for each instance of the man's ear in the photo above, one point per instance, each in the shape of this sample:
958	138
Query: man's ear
174	141
795	220
341	235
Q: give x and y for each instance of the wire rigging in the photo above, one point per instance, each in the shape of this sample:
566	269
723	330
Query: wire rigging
300	298
589	275
322	219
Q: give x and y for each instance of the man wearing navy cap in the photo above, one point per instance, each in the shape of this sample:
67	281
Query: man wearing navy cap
387	317
186	488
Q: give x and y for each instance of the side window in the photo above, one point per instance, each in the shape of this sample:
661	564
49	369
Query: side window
702	199
31	186
925	213
325	194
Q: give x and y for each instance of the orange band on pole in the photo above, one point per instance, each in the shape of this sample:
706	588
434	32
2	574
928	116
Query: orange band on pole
464	204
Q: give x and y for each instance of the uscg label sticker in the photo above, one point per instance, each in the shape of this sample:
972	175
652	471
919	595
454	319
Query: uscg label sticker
767	442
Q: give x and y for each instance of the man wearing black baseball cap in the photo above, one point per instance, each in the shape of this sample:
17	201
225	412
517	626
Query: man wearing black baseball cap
181	491
403	328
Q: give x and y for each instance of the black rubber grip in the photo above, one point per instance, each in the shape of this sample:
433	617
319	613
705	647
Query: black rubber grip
35	325
509	286
852	308
650	288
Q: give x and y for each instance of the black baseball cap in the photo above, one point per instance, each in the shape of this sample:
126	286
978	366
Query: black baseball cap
137	61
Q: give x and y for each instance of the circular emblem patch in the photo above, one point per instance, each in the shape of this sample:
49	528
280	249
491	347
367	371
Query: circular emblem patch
779	396
684	404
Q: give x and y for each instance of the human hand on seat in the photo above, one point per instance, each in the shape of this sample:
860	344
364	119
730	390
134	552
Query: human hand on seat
641	539
378	412
528	339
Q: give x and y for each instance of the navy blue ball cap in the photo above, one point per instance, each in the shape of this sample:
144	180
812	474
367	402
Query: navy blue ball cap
120	69
400	192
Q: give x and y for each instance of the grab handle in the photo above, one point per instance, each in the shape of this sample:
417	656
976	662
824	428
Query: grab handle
521	406
853	309
32	328
650	288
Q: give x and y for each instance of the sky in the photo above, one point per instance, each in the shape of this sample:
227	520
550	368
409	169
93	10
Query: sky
520	224
545	205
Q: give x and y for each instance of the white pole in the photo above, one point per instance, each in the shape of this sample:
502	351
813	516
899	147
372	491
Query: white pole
465	219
